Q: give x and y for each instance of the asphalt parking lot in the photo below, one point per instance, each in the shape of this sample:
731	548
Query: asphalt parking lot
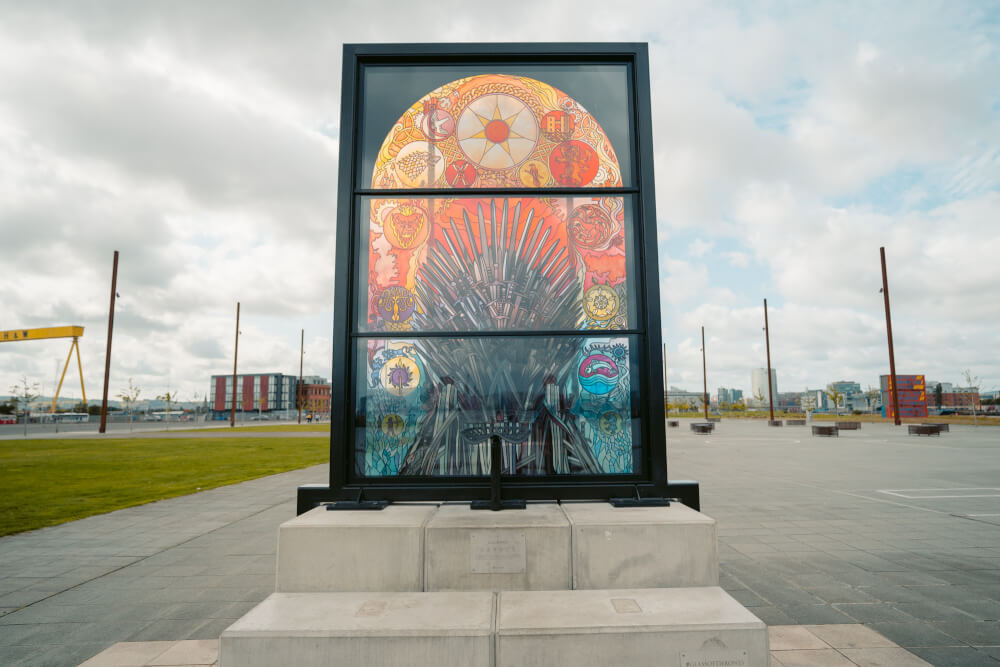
899	533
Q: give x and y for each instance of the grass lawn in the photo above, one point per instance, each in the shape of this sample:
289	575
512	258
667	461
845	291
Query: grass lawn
319	427
47	482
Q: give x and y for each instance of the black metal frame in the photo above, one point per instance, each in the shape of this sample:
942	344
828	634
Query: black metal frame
652	481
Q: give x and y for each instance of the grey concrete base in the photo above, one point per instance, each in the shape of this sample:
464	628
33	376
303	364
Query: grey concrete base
525	549
641	547
679	627
649	626
353	550
321	629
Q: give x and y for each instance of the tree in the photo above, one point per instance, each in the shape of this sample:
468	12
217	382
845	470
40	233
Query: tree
24	393
972	384
807	401
938	395
872	395
170	399
834	395
759	397
129	397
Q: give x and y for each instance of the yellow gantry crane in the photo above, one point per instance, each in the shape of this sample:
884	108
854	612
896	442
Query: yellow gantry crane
73	332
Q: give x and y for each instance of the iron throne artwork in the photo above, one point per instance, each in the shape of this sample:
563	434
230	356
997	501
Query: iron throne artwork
563	401
451	277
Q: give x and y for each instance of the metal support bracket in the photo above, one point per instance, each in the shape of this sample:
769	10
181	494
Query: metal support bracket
639	501
496	501
357	504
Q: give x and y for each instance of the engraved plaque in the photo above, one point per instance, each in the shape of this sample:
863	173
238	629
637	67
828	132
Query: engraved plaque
496	552
371	608
714	658
626	606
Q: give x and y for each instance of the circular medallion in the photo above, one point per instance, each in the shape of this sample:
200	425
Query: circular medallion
497	131
392	425
438	124
405	226
600	302
598	374
534	174
573	163
419	164
610	423
395	304
590	226
460	174
558	126
400	375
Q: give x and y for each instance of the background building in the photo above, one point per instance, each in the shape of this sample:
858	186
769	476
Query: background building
268	393
911	392
758	384
315	396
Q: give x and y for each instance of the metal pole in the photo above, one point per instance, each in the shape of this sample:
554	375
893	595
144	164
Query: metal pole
893	388
236	351
302	351
107	356
767	342
704	375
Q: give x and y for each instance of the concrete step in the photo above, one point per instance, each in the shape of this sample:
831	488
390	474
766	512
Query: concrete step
677	627
322	629
546	546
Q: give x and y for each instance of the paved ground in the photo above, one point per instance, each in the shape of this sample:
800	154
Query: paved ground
897	533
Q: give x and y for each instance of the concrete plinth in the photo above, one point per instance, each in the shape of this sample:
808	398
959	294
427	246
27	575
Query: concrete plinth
353	550
680	627
481	550
641	547
321	629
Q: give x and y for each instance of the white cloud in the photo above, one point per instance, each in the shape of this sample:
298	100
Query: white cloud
200	141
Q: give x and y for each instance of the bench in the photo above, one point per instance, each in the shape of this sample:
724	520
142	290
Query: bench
673	423
795	422
941	427
826	431
701	427
849	426
923	429
774	422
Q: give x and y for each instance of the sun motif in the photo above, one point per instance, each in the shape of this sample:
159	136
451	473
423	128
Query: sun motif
497	131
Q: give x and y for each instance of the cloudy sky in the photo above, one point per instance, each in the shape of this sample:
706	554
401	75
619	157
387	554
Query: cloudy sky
792	140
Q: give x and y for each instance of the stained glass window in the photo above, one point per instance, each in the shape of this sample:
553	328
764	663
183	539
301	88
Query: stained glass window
493	219
469	265
496	264
564	404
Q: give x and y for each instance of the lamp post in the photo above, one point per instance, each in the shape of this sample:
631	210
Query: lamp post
302	351
704	375
893	389
767	343
107	356
236	350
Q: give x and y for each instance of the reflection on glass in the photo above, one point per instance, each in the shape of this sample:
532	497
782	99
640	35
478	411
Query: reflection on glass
493	264
496	131
565	404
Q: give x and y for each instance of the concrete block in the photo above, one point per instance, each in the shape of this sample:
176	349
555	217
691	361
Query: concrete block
353	550
321	629
480	550
642	547
678	627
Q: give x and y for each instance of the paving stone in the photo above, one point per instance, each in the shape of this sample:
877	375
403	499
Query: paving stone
815	658
793	637
883	657
914	633
849	636
958	656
